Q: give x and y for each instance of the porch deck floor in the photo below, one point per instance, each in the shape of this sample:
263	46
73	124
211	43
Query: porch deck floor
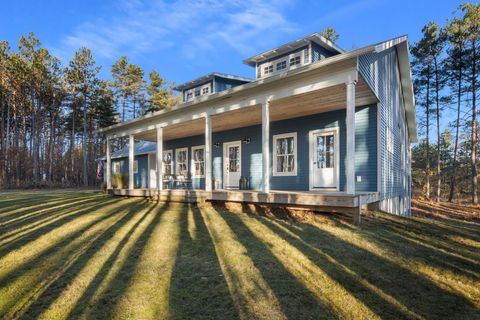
312	198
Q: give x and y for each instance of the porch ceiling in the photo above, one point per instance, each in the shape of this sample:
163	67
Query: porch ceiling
323	100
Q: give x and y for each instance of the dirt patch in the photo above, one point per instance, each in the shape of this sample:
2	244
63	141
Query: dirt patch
448	210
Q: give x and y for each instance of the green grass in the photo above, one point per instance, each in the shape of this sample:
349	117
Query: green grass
86	256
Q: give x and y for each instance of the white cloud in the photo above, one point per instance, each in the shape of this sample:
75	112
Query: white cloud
192	27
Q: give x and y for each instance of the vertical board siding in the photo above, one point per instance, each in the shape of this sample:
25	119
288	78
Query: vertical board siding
319	52
140	179
380	71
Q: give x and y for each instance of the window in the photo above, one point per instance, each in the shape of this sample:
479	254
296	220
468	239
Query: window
205	90
116	167
181	157
285	154
189	96
294	61
197	92
198	161
135	166
167	162
281	65
306	56
268	69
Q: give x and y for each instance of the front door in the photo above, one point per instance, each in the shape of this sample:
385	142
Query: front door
324	159
232	166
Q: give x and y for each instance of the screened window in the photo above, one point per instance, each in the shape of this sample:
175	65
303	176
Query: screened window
281	65
182	162
167	162
198	161
285	156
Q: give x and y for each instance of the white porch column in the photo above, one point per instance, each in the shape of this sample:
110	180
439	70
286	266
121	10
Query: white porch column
266	145
108	173
350	124
208	153
159	159
131	156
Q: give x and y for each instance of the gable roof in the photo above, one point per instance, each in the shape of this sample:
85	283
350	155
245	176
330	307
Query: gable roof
314	37
208	77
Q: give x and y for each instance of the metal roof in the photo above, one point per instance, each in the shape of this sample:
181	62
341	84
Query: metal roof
314	37
208	77
141	147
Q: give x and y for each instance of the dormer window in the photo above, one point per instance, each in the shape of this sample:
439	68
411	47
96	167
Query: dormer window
294	61
197	92
282	65
268	69
205	90
189	96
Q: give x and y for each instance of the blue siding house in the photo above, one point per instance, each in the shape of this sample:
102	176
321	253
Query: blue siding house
319	126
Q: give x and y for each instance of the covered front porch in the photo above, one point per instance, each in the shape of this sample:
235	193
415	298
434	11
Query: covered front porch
206	148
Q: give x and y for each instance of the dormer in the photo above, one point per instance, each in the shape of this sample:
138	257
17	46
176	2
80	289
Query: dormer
301	52
208	84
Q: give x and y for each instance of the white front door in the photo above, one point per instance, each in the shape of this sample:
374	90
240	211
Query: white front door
232	164
324	146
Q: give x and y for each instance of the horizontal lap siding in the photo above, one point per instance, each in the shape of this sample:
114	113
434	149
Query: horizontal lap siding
365	147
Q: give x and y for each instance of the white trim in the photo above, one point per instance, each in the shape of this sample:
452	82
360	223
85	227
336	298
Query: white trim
225	145
274	154
336	132
172	164
192	161
116	167
177	151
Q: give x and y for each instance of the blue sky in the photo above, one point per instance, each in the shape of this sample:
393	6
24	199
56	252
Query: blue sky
185	39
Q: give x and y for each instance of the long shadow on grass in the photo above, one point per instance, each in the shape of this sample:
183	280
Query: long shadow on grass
198	288
105	306
27	206
46	215
25	265
417	293
54	289
20	201
90	291
37	233
296	301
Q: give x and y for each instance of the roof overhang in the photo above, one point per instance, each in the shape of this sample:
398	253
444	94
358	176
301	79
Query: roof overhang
315	37
209	77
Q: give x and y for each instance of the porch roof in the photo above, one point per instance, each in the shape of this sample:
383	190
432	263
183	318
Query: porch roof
250	95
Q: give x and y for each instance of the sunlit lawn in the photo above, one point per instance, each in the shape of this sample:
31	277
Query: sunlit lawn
87	256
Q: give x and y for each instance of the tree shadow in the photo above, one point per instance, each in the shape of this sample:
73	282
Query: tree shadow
54	289
37	233
26	265
104	308
417	293
198	288
296	301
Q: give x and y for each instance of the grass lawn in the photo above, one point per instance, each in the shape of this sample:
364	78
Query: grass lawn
86	256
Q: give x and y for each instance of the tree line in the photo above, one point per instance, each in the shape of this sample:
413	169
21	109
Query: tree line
445	69
49	112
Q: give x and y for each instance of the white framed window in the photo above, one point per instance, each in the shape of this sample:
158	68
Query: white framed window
285	154
197	92
181	162
135	166
198	161
205	90
189	96
295	60
281	65
167	162
268	69
116	167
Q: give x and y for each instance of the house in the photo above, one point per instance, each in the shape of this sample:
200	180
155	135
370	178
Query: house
319	126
